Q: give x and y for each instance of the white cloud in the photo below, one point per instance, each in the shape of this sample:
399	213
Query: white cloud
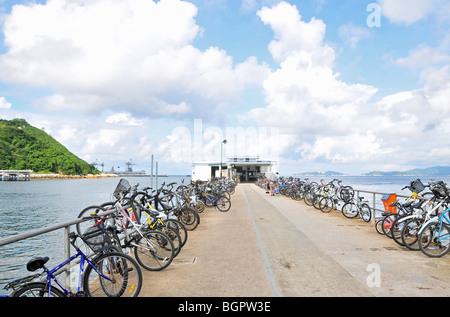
328	121
352	34
122	118
408	11
291	33
423	56
108	54
4	104
305	89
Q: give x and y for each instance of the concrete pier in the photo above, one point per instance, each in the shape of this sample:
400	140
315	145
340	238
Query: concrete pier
274	246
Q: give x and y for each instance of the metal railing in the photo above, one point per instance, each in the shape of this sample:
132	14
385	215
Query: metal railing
64	225
372	200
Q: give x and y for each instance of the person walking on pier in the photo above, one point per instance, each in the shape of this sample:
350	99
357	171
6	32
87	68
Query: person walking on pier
272	187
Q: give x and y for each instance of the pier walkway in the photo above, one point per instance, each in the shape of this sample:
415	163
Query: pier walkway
268	246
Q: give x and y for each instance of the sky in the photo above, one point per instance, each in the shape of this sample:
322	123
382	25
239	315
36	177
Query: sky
352	86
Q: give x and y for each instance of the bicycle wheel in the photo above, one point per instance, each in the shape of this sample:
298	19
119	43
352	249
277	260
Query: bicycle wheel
174	236
88	212
396	230
223	204
365	212
189	217
115	275
115	219
208	201
179	227
434	240
378	224
326	204
37	289
347	193
199	206
410	233
316	200
350	210
225	194
387	225
154	251
308	198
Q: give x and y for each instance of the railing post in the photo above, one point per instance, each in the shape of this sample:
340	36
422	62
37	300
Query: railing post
67	254
373	207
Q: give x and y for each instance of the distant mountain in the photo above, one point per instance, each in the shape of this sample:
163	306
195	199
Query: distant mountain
430	171
328	173
24	147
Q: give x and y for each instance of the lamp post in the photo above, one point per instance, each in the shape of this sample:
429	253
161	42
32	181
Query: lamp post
221	149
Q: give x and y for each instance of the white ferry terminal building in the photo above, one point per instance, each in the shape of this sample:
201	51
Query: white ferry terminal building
243	168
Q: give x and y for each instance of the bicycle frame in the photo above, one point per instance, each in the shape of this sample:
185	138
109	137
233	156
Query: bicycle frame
121	211
206	196
427	214
437	219
51	274
414	195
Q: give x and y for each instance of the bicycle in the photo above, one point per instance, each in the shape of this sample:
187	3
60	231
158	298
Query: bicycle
319	192
434	236
341	193
189	195
309	190
416	187
414	222
157	220
357	207
220	202
390	222
109	273
395	224
153	249
180	207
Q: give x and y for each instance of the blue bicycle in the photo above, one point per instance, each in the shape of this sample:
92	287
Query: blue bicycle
108	274
434	236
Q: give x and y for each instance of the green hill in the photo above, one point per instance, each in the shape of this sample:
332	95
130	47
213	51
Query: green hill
24	147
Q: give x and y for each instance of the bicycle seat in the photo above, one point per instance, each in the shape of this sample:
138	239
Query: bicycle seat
36	263
407	204
165	206
152	212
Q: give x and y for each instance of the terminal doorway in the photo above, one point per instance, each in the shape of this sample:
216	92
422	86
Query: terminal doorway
247	173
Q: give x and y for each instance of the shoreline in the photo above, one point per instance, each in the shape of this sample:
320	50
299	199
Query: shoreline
62	176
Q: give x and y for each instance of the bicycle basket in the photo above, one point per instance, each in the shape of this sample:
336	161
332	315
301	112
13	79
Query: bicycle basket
122	187
439	189
96	238
417	186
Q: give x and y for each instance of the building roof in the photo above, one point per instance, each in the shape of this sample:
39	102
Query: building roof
237	160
